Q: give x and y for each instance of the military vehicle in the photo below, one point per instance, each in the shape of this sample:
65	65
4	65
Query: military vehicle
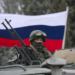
56	65
52	66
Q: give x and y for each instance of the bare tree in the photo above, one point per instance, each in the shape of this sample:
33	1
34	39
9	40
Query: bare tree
11	6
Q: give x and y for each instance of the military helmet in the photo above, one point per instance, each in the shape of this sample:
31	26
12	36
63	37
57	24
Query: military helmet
37	34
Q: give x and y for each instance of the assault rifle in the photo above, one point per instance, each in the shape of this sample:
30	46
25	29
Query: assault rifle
27	55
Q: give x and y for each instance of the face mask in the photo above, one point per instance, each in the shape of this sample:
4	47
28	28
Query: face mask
37	44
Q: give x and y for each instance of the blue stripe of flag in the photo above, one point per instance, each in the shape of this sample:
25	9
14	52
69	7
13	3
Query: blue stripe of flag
53	32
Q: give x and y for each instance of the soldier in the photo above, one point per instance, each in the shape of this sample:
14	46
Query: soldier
37	37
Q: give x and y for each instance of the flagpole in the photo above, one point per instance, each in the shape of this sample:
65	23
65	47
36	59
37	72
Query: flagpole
64	38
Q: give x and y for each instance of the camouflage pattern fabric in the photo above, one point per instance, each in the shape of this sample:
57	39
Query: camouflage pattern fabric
6	54
34	34
42	53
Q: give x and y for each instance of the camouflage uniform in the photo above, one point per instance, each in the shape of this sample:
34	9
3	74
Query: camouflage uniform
42	52
6	54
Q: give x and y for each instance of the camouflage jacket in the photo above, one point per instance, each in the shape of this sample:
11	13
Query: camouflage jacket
42	54
6	54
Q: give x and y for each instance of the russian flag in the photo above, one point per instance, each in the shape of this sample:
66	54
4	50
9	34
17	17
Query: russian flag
52	24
